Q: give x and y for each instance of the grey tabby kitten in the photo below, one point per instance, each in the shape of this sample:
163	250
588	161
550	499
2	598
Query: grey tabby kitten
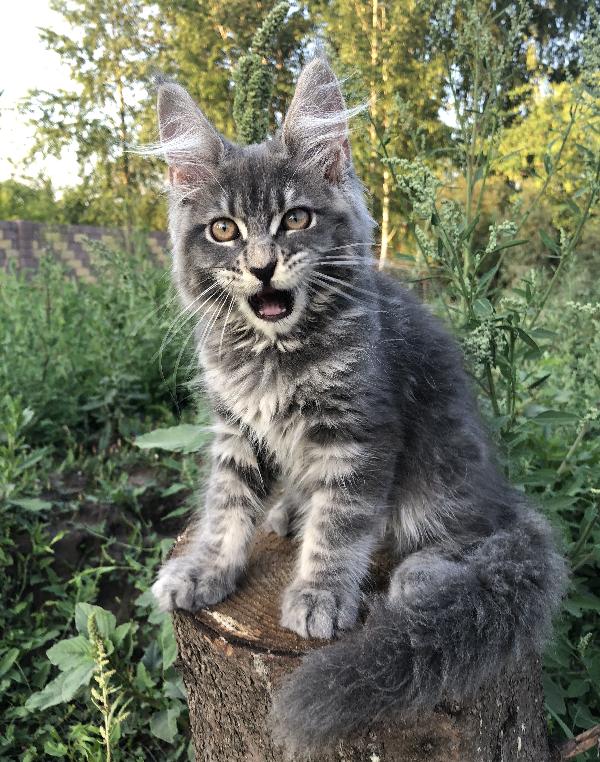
328	375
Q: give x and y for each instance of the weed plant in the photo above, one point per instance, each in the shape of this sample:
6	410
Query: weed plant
86	664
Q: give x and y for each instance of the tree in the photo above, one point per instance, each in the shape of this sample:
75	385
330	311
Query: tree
109	50
205	39
383	42
36	202
113	50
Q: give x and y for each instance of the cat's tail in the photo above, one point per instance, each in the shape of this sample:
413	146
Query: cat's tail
450	622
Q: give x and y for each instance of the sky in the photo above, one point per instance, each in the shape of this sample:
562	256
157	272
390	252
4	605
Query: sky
25	63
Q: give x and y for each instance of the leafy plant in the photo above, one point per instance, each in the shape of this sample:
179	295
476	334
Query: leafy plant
254	79
538	388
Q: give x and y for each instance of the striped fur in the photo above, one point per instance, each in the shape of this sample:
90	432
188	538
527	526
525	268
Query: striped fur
358	403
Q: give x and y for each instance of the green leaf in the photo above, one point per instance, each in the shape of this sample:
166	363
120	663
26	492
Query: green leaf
181	511
142	681
8	660
550	243
62	689
555	416
465	233
540	477
174	688
486	278
586	602
104	619
542	333
526	338
554	696
405	257
509	244
483	308
173	489
168	644
32	504
56	749
51	695
183	438
163	724
67	653
539	381
121	632
572	206
76	678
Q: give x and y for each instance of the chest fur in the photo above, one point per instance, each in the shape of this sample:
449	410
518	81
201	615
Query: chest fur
268	404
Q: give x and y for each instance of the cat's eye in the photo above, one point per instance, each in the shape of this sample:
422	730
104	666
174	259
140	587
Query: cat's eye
296	219
224	229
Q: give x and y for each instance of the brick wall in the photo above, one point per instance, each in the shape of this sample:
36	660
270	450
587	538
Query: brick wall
25	242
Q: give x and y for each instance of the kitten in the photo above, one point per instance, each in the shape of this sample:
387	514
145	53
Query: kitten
328	374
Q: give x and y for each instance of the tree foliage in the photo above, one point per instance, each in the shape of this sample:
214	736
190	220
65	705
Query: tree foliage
109	51
481	153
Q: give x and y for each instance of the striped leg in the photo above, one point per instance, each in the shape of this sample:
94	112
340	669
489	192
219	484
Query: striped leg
340	533
217	546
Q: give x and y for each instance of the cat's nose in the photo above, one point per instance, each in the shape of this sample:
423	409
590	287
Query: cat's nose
265	273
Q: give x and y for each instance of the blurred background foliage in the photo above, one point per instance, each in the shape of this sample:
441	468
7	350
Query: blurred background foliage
480	153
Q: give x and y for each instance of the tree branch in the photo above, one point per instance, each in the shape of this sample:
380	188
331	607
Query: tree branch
583	742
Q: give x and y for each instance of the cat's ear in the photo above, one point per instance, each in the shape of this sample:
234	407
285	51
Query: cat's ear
315	129
191	145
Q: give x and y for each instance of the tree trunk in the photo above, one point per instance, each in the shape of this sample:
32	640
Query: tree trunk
234	655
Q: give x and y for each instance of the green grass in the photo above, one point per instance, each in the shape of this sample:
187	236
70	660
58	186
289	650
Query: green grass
86	517
84	513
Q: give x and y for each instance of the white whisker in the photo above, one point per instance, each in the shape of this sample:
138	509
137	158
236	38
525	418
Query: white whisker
225	325
335	290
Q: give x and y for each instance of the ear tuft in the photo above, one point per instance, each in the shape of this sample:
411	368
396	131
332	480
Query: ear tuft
315	129
190	144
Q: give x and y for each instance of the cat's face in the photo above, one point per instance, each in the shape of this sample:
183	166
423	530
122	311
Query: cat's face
262	230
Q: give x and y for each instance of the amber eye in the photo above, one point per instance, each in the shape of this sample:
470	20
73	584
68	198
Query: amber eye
224	230
296	219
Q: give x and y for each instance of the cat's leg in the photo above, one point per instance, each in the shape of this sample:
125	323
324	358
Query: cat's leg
216	547
343	525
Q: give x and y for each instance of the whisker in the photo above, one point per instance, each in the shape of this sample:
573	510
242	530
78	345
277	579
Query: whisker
315	279
147	317
170	333
211	322
189	306
348	284
182	348
358	288
180	355
225	325
348	262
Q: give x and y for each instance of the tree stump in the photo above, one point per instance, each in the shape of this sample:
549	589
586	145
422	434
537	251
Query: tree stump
234	655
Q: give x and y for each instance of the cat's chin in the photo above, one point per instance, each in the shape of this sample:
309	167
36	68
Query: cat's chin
271	304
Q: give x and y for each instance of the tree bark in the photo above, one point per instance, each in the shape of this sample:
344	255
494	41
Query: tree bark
234	655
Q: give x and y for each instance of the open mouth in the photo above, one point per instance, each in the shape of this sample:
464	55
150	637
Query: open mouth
272	304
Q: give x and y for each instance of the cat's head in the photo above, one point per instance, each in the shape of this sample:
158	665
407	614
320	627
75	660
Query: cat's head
263	229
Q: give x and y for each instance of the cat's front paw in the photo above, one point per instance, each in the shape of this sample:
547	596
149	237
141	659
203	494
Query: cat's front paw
318	612
184	583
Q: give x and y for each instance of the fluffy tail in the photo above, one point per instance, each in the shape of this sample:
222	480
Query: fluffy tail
450	622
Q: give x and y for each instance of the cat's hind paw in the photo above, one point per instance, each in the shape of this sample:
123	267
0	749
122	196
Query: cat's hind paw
278	520
183	583
317	612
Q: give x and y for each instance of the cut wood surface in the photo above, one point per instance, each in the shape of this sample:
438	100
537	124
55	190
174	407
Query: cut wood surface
234	655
